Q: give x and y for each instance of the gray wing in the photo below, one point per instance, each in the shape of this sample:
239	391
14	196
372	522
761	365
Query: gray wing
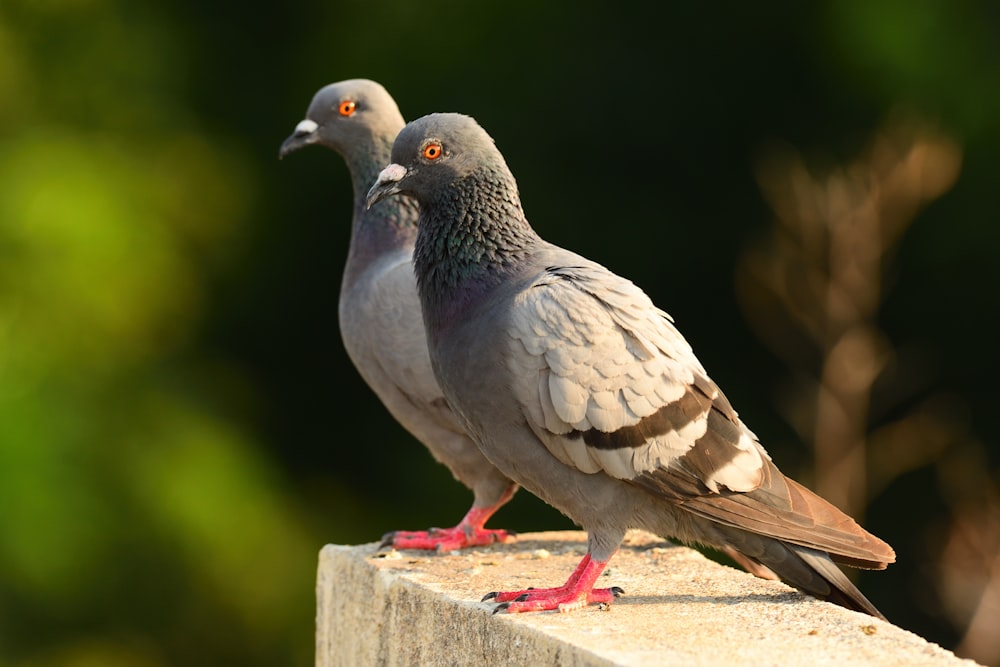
609	384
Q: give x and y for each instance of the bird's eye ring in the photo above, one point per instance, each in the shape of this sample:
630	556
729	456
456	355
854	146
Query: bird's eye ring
432	151
347	108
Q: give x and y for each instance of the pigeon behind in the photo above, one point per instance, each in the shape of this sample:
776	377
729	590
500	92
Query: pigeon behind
379	312
580	389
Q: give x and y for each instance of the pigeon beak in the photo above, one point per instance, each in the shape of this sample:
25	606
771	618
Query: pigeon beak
304	134
387	184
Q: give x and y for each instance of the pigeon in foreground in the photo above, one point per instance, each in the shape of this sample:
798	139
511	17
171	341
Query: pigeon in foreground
380	319
580	389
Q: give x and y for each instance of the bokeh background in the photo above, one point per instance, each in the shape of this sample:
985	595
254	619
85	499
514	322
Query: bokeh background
809	188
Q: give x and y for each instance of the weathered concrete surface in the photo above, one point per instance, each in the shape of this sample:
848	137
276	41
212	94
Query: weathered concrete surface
680	608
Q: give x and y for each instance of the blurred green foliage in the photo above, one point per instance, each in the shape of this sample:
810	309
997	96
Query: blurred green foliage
140	526
180	430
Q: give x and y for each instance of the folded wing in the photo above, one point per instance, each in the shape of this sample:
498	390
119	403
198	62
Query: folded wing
610	386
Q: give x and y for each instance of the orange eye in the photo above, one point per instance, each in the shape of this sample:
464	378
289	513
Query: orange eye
347	108
432	151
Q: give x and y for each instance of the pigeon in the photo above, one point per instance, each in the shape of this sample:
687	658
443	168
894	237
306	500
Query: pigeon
584	392
379	311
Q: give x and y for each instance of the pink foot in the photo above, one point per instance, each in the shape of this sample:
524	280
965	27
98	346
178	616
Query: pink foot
468	533
444	539
577	592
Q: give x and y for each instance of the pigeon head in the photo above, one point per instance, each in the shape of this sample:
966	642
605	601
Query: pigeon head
472	231
345	115
433	153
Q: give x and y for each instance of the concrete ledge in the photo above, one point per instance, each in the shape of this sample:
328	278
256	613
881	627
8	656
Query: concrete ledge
680	608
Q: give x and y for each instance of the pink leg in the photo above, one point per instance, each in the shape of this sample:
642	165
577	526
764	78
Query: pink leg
468	533
577	592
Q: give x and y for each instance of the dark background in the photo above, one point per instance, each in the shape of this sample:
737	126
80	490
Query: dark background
180	429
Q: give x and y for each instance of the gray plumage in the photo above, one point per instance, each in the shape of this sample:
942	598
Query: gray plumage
578	387
379	311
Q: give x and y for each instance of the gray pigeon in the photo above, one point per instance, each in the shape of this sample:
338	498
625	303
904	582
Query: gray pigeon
380	319
583	391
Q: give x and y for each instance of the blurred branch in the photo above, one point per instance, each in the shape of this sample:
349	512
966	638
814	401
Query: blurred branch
813	290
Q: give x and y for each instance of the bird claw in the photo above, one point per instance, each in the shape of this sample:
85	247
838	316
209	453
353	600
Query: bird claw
561	599
551	599
444	540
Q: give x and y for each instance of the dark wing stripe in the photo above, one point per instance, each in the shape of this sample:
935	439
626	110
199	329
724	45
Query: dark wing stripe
671	417
699	399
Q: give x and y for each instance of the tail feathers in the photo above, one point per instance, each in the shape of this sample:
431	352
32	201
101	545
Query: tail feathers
808	570
785	510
